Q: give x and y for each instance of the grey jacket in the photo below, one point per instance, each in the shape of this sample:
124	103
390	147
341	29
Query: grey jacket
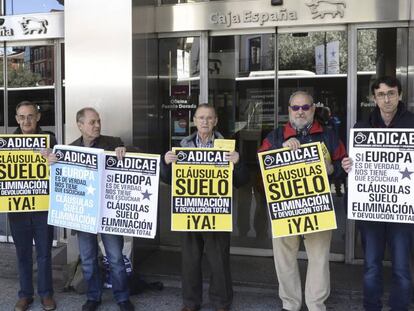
240	172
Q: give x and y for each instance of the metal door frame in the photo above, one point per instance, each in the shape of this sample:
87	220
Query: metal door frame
56	43
352	110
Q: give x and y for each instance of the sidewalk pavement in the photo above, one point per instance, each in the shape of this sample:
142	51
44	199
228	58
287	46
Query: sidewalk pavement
255	285
169	299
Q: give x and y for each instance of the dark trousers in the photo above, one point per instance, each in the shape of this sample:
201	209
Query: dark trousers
88	251
375	236
26	227
217	248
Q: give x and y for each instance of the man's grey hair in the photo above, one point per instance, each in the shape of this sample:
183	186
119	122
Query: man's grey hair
303	93
81	113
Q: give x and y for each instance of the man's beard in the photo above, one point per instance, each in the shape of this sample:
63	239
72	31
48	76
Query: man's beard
300	126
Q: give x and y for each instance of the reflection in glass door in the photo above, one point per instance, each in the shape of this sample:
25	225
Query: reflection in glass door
242	86
317	62
179	90
31	75
380	51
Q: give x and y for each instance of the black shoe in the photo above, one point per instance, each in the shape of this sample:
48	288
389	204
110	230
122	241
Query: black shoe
126	306
90	305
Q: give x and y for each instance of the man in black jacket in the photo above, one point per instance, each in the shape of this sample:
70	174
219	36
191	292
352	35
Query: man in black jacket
389	112
28	226
89	124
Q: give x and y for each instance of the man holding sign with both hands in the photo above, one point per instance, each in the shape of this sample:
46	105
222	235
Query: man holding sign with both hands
389	113
302	129
89	125
216	244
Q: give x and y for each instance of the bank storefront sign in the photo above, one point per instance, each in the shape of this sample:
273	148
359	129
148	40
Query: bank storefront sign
261	13
31	26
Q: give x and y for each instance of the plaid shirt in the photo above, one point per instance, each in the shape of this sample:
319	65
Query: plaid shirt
209	144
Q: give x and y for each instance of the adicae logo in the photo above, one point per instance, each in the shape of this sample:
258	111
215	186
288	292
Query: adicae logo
111	161
181	156
360	138
269	160
3	142
59	155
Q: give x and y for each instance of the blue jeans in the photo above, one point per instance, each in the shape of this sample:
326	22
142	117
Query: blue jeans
88	249
26	227
375	236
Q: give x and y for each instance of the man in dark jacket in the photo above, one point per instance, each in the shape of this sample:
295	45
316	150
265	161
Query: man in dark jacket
215	244
302	129
89	124
33	225
389	112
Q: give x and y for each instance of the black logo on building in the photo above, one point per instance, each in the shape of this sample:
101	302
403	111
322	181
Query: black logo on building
33	25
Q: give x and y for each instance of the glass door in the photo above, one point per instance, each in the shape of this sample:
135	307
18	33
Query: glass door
245	72
242	86
317	62
380	51
31	74
179	90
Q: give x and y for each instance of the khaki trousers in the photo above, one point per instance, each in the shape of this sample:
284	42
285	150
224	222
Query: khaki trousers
317	286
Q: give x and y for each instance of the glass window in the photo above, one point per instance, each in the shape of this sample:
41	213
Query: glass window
241	87
31	77
14	7
316	62
178	96
380	52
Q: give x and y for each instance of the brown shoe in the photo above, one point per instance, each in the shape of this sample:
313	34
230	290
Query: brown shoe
48	303
189	309
23	304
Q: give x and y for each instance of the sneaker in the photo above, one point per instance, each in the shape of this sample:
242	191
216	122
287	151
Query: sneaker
48	303
23	304
90	305
126	306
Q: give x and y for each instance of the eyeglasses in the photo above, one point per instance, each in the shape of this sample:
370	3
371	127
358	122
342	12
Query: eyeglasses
207	119
304	107
29	117
390	95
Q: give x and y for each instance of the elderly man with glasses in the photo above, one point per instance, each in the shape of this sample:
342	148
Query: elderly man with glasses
389	112
302	128
216	245
26	227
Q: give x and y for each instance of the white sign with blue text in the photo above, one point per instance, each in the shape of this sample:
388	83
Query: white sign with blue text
75	183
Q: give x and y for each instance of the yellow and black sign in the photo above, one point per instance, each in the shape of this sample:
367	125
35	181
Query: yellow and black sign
24	173
201	190
297	190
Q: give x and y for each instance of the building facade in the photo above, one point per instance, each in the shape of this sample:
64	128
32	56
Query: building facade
146	64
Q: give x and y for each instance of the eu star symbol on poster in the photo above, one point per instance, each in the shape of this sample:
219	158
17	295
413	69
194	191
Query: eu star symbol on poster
406	174
146	195
90	190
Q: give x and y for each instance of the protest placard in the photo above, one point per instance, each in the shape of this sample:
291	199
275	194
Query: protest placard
130	195
24	173
201	190
381	180
297	190
76	188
